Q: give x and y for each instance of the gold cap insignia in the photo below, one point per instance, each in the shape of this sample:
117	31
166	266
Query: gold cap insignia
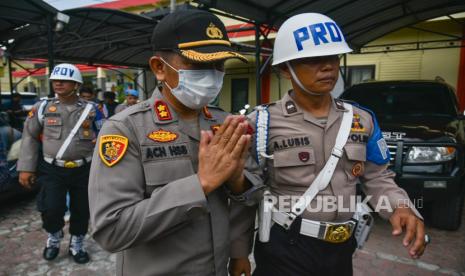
162	136
214	32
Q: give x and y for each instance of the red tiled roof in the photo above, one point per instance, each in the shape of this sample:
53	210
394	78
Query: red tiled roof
121	4
242	33
81	67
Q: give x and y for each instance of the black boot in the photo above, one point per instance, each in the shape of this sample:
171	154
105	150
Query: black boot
77	251
52	248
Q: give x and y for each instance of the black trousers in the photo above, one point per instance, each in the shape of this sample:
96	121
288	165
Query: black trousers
289	253
51	202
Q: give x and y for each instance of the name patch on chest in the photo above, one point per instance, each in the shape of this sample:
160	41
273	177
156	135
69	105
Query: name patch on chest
291	142
165	151
358	138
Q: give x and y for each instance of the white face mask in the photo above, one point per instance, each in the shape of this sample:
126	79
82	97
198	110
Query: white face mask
197	88
296	79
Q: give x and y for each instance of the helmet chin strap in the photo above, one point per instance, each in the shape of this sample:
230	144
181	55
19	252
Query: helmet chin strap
296	79
70	93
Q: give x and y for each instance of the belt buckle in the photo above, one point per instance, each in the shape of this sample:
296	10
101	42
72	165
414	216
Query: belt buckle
70	164
337	233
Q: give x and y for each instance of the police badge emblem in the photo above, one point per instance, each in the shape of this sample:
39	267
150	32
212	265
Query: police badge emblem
112	148
304	156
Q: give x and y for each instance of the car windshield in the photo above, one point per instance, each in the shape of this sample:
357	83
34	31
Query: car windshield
410	99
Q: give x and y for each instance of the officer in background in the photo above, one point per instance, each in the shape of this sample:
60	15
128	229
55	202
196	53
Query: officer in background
301	132
110	103
57	145
159	189
132	96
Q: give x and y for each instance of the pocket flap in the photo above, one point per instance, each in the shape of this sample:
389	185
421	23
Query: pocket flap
162	172
356	152
293	157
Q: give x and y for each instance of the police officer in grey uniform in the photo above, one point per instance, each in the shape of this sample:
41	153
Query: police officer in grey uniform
301	134
170	187
57	145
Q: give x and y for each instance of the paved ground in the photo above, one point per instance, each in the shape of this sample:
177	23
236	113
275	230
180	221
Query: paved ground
22	241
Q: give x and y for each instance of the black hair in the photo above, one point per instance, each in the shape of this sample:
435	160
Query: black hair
86	89
109	95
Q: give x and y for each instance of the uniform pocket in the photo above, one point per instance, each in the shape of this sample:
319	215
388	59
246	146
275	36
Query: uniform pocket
161	172
354	163
53	127
295	166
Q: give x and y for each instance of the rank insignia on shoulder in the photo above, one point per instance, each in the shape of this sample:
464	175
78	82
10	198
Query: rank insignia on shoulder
339	104
215	128
207	113
290	107
162	136
357	169
162	110
356	125
52	108
112	148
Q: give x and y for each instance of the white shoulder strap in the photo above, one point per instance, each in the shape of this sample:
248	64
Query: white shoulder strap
324	177
40	112
73	132
261	140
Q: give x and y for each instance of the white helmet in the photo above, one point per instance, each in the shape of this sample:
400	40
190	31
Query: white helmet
308	35
66	71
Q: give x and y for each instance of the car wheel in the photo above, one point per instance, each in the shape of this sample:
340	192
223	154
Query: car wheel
447	214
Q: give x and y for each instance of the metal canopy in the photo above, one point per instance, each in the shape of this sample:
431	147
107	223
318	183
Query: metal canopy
361	20
17	13
92	36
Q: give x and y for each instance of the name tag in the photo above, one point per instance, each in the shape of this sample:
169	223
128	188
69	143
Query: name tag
165	151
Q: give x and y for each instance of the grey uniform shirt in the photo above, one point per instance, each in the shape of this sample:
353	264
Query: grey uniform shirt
302	144
120	107
52	130
150	207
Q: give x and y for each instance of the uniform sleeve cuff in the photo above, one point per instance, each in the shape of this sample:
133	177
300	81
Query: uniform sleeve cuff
240	249
23	167
251	196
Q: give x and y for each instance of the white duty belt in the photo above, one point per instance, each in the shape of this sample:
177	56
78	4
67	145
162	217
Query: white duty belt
58	159
70	164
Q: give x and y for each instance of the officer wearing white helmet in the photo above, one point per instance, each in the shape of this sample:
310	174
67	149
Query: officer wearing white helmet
57	145
314	149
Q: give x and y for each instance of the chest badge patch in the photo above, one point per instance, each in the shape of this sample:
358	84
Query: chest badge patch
162	110
357	169
304	156
52	108
356	125
162	136
112	148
